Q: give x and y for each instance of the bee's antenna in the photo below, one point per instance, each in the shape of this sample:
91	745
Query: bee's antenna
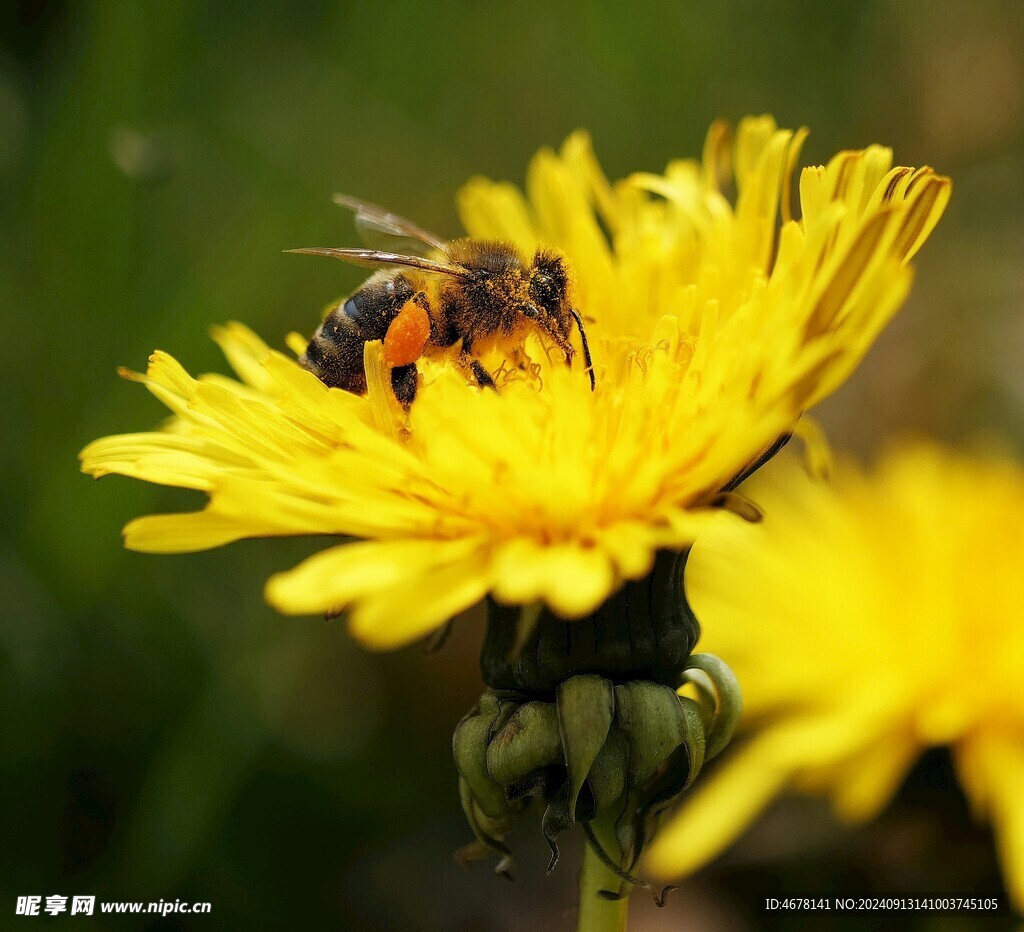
586	347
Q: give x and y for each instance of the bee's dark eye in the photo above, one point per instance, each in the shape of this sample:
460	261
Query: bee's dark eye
543	288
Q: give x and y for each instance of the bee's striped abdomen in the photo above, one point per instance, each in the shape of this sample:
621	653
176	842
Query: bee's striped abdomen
335	354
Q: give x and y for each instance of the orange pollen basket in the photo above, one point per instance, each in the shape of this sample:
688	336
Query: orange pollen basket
407	335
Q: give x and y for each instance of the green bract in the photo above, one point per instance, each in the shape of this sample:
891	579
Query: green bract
618	754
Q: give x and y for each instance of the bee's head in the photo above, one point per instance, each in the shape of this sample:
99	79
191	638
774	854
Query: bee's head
550	306
548	286
549	289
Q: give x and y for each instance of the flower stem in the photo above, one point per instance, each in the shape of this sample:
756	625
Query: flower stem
596	914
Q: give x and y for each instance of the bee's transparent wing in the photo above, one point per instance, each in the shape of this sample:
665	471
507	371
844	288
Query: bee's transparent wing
373	258
382	229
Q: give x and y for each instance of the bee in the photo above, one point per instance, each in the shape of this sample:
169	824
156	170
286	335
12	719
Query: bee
468	295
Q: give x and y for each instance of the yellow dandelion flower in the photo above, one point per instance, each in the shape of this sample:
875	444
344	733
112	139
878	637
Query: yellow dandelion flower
714	325
867	619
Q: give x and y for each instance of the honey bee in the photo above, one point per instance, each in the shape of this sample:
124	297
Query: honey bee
468	295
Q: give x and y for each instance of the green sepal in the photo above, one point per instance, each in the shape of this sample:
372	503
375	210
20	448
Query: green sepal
527	741
705	690
693	728
650	718
728	700
488	704
660	794
626	828
506	709
489	833
555	821
646	804
586	706
607	776
469	748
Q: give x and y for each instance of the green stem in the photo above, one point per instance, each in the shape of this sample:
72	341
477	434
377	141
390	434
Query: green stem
597	914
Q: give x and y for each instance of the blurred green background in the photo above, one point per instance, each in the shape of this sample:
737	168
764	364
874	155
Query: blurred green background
164	733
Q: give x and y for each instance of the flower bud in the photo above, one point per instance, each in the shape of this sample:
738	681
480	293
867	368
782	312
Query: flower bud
619	753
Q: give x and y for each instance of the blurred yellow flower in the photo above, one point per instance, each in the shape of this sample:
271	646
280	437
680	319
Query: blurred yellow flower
866	619
713	329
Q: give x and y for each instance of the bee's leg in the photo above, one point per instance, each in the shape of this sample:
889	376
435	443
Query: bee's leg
482	376
404	382
517	359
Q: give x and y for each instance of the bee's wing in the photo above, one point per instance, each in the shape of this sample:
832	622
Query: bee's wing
380	227
371	258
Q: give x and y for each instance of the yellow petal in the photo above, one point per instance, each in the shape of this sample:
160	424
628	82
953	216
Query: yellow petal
573	580
864	785
997	762
332	579
183	533
172	459
409	611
